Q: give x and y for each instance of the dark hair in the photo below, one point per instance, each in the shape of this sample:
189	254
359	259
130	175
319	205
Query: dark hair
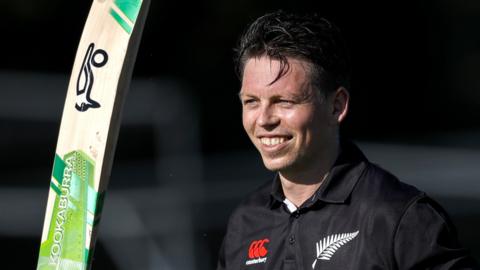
280	35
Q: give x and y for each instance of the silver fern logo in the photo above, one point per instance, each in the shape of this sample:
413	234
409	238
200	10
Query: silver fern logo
330	244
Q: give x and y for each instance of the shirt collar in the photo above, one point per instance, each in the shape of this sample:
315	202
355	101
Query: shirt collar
277	195
338	185
344	175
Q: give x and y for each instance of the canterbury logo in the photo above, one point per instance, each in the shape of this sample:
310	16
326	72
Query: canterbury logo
257	252
257	249
330	244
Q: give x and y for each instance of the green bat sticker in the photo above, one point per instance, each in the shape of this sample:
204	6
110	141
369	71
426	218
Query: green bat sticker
73	217
130	9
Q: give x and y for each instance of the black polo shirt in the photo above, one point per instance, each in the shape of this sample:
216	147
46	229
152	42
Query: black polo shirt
361	217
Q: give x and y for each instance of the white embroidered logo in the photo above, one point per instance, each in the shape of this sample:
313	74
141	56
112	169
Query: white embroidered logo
329	245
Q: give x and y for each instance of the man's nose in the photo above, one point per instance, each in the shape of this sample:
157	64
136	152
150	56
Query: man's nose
268	117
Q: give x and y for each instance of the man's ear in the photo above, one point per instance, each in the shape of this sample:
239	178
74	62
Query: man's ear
341	98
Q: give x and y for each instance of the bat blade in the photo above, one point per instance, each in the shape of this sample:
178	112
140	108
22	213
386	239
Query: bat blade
88	132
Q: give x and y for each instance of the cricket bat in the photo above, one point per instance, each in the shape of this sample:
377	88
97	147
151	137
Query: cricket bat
88	132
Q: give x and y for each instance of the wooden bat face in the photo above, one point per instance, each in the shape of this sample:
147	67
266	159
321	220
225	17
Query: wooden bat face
88	132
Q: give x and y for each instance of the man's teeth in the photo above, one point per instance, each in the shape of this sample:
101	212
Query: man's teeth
272	141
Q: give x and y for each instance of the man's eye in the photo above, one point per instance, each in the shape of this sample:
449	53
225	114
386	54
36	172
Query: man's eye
286	102
249	101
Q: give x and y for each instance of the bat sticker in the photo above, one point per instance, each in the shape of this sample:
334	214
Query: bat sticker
98	58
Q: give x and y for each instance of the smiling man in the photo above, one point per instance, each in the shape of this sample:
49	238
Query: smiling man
328	207
292	125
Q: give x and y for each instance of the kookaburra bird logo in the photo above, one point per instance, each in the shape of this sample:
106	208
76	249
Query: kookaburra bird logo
329	245
97	58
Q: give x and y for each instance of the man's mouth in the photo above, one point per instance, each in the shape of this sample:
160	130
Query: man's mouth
274	141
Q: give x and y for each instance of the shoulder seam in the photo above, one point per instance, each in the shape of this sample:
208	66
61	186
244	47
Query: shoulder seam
397	225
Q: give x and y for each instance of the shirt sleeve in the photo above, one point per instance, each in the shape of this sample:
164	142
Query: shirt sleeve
226	252
425	238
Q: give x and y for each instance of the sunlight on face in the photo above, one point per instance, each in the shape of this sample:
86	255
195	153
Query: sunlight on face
285	120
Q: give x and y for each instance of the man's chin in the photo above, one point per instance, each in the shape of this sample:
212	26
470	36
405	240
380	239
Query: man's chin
275	165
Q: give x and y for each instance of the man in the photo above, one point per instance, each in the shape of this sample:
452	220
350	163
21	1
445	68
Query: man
328	206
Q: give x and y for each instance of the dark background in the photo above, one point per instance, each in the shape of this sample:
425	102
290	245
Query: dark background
414	62
415	86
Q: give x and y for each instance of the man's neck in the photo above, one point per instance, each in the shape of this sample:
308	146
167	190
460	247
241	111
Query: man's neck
300	185
298	193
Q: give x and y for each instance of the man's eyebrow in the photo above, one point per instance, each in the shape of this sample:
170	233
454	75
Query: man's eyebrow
303	96
296	97
242	94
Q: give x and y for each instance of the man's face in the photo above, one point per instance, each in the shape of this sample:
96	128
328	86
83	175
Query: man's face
287	121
